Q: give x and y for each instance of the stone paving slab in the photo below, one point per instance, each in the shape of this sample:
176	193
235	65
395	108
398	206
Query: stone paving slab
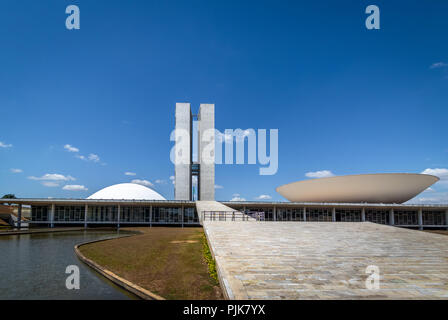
327	260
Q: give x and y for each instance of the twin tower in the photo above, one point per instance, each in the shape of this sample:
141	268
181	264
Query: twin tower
189	167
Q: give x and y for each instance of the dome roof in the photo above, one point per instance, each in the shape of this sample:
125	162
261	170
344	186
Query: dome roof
370	188
127	191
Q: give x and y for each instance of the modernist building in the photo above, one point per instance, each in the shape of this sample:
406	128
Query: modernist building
360	188
376	198
185	168
91	212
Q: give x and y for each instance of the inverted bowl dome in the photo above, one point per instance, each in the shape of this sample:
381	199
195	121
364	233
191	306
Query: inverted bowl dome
369	188
127	191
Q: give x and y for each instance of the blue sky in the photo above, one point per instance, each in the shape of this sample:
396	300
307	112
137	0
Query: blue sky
344	99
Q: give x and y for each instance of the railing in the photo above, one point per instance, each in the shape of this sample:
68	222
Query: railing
259	216
232	216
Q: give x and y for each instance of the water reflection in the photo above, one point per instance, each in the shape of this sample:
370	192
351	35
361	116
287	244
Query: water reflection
32	266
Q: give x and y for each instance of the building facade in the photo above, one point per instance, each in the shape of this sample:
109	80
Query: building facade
87	212
359	189
185	168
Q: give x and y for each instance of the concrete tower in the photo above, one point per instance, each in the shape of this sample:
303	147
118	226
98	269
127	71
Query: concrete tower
204	168
206	150
182	167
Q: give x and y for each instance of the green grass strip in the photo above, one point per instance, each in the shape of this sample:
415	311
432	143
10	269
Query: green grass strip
209	259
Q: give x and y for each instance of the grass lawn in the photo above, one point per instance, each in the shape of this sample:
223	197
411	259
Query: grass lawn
167	261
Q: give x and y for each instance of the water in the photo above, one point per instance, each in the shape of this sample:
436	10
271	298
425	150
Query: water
32	266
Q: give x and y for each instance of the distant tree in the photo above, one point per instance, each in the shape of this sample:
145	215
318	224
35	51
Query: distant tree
9	196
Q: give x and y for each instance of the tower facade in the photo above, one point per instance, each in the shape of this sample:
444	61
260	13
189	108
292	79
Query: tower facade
206	152
183	152
204	167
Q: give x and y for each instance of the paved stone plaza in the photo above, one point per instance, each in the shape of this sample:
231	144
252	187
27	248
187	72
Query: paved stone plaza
327	260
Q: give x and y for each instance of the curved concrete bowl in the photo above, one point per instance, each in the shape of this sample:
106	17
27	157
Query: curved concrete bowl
369	188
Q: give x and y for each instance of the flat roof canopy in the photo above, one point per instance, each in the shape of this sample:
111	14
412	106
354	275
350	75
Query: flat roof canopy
65	201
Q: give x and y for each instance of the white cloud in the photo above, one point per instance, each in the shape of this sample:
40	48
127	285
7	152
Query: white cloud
438	65
142	182
427	200
245	133
217	186
263	197
319	174
160	181
437	193
50	184
442	173
53	177
223	137
237	197
94	157
220	137
4	145
431	198
172	179
91	157
127	173
16	170
228	137
75	187
70	148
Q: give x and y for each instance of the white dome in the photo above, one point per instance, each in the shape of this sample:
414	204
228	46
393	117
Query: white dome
127	191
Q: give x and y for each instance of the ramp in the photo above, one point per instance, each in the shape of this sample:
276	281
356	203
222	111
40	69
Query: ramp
327	260
207	206
214	207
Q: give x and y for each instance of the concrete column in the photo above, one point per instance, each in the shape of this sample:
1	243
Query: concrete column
274	212
304	214
420	219
363	214
86	209
19	216
182	212
52	216
150	216
446	218
391	217
118	216
333	214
